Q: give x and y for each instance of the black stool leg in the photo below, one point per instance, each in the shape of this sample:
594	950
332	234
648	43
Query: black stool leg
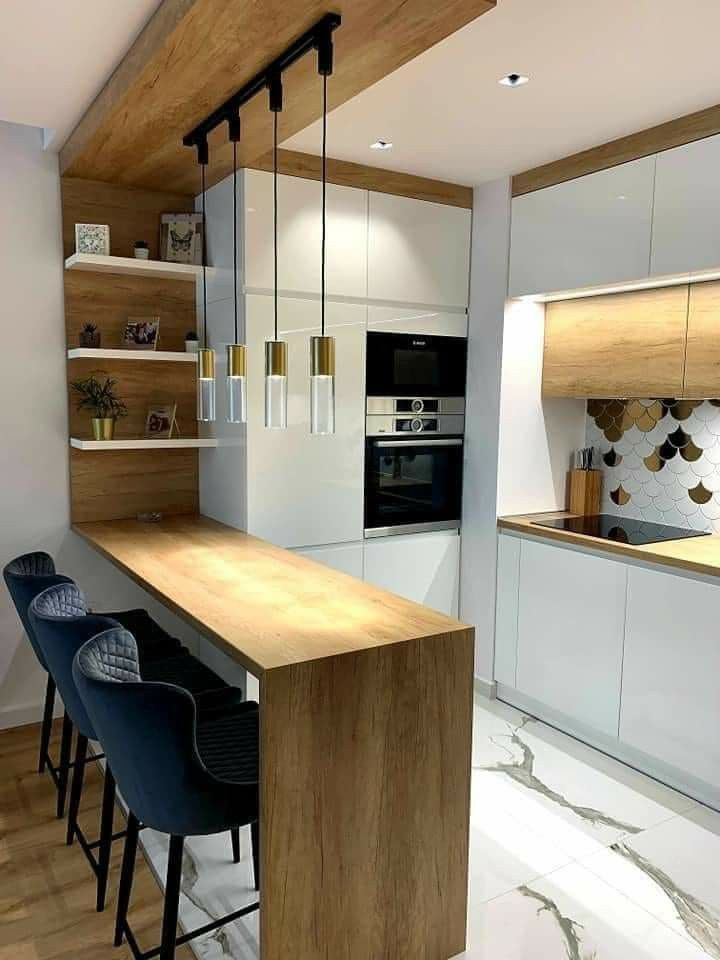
47	722
255	839
106	831
172	899
235	836
126	877
77	785
64	769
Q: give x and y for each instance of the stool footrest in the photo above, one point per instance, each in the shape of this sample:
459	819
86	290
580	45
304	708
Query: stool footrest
138	954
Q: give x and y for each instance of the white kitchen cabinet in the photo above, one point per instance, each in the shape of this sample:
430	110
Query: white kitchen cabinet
570	633
418	252
506	609
584	232
424	567
686	217
304	489
299	229
345	557
671	670
429	322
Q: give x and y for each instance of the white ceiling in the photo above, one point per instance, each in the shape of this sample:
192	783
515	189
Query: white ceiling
599	69
57	54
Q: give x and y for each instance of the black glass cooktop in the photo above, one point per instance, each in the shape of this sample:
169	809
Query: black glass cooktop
624	530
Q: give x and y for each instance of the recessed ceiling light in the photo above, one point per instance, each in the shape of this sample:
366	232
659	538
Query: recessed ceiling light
514	80
381	145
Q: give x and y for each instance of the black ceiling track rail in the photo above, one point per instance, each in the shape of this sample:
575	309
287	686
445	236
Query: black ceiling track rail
318	37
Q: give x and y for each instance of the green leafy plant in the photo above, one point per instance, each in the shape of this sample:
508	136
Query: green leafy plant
99	398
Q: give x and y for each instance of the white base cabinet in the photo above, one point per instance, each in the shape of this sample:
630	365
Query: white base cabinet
345	557
424	567
671	674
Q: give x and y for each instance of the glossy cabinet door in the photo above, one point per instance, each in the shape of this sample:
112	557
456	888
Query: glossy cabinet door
702	356
433	323
305	490
418	252
584	232
570	633
506	609
618	345
424	567
345	557
685	233
671	671
299	228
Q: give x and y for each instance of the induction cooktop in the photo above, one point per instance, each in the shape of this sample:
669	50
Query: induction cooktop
622	529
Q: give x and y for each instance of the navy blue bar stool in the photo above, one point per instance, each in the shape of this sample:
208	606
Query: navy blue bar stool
25	577
183	770
61	624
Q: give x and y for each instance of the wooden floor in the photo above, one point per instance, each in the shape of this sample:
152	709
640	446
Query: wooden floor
47	890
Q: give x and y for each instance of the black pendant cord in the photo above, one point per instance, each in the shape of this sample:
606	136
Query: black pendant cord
275	214
204	254
235	247
324	192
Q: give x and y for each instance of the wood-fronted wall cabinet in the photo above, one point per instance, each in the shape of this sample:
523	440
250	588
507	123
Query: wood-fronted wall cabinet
619	345
702	356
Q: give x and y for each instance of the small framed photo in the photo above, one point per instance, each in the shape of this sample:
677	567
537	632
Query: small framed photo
141	333
92	238
181	238
160	421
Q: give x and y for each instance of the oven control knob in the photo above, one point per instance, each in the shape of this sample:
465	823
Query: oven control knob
416	425
417	406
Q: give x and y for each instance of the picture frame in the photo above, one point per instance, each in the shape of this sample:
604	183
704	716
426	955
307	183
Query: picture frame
141	333
161	421
92	238
181	238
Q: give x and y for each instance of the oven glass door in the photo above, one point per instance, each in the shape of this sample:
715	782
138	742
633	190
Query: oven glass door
414	365
411	482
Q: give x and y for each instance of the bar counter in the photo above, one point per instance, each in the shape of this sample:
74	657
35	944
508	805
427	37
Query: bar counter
366	720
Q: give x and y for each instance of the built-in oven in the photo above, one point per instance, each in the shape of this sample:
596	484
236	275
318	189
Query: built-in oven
413	464
415	365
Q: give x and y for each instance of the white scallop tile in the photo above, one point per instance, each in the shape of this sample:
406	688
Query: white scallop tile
633	461
674	518
713	423
632	484
663	503
711	453
677	465
641	500
703	438
712	481
699	522
711	509
644	448
651	487
687	507
703	467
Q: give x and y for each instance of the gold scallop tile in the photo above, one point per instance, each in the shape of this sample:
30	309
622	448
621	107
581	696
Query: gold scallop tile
655	410
616	408
613	433
605	420
595	407
683	408
634	409
654	462
620	496
646	422
627	420
700	494
690	452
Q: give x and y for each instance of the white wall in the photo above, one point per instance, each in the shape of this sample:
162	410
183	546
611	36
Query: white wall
488	290
34	500
537	436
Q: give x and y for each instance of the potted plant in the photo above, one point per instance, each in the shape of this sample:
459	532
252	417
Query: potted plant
191	342
90	336
101	400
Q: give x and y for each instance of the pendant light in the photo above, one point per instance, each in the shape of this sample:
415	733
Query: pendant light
275	349
206	357
236	385
322	348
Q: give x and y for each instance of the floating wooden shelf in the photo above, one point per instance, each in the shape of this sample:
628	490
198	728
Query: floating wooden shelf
94	263
91	353
179	443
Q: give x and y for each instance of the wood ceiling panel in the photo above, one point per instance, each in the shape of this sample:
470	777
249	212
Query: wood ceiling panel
193	54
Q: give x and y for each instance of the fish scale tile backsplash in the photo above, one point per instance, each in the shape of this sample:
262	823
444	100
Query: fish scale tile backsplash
660	459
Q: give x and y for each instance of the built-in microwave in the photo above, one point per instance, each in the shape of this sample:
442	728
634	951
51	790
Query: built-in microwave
415	365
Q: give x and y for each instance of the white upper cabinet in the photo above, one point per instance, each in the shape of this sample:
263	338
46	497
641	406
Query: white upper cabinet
686	221
302	489
584	232
442	323
418	252
299	229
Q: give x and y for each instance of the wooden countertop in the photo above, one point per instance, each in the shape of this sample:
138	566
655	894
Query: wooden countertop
265	606
694	555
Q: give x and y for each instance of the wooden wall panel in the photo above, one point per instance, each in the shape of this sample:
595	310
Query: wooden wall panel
370	752
702	356
110	485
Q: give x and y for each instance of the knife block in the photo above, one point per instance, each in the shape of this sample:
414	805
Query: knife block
584	491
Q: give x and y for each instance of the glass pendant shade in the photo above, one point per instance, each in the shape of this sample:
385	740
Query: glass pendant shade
322	385
275	384
206	385
236	383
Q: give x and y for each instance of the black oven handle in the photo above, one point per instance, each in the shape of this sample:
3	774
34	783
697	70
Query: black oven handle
444	442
